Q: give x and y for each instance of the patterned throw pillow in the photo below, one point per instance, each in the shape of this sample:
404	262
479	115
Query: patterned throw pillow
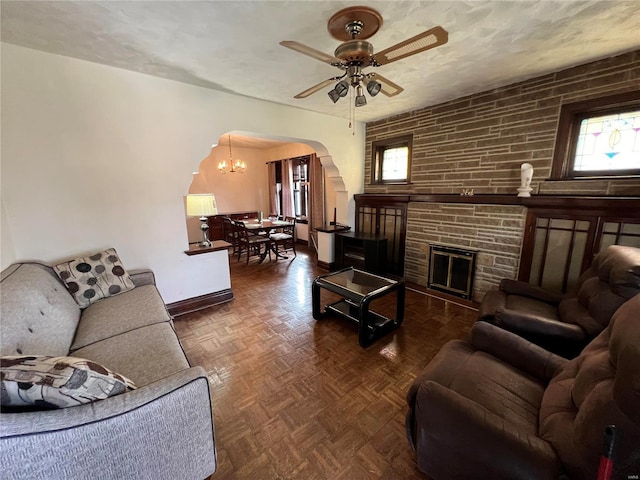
56	382
95	277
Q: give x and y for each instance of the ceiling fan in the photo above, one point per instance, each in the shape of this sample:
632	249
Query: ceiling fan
353	26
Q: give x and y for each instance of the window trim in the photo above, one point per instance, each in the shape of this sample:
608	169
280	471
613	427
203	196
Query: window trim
571	114
377	149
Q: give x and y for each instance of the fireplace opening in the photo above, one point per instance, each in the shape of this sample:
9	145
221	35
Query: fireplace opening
451	270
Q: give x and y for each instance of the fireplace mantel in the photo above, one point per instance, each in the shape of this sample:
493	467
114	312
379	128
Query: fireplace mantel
623	204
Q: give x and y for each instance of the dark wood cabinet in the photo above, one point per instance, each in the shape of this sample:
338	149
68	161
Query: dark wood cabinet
216	227
363	251
386	216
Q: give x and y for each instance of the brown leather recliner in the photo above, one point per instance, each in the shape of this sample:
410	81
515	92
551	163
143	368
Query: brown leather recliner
501	407
565	324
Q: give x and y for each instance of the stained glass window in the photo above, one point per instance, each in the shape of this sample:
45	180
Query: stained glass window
609	143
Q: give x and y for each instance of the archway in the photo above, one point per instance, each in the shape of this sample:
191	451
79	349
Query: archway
248	191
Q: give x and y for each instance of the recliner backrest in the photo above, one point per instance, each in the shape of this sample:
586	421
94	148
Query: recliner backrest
599	387
612	279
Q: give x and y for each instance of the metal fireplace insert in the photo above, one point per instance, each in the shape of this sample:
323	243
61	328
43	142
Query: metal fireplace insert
451	270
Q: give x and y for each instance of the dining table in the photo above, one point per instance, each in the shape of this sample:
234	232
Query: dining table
254	224
257	227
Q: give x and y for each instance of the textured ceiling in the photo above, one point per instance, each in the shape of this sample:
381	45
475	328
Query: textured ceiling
232	46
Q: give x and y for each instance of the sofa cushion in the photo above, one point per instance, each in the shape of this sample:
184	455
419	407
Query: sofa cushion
525	304
144	355
94	277
56	382
136	308
38	314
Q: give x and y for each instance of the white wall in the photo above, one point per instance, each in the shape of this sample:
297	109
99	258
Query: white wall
7	252
95	156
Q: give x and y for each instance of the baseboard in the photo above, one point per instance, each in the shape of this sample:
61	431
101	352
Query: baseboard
189	305
325	265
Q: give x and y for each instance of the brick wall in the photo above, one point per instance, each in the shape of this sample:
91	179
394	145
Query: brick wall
494	230
479	142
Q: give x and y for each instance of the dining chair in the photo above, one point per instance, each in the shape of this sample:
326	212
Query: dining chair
252	244
285	239
230	234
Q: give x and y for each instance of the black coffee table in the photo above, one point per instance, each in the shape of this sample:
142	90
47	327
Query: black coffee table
358	289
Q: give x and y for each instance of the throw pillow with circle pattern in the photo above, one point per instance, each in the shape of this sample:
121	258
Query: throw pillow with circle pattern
43	382
94	277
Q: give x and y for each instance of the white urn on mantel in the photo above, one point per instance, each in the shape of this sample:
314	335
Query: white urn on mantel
526	174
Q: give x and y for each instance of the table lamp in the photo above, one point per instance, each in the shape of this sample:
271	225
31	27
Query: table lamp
202	205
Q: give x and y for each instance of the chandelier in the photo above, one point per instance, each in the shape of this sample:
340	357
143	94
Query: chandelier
232	166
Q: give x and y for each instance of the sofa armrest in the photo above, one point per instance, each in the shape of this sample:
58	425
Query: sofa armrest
533	324
515	350
457	438
163	430
516	287
142	276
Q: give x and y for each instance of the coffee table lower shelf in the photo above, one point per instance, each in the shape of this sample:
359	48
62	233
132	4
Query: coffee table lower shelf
345	309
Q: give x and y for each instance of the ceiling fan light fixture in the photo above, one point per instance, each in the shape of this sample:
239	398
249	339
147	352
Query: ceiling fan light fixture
373	87
342	88
361	100
353	26
333	95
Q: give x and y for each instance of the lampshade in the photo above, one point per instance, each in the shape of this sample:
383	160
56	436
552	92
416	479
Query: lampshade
333	95
361	100
373	87
342	88
201	205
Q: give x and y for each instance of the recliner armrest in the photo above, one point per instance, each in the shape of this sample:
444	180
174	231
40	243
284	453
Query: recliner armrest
515	350
533	324
471	442
516	287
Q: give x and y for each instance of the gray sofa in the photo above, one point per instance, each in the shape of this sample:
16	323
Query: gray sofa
161	430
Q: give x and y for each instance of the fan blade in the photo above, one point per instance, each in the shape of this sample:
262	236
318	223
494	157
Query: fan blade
315	88
424	41
389	88
311	52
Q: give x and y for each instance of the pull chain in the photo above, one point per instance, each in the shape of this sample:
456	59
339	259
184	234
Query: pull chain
352	112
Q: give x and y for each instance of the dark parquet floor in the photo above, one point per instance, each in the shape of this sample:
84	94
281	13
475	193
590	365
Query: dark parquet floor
298	399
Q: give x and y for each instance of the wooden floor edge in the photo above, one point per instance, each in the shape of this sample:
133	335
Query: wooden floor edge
443	296
189	305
